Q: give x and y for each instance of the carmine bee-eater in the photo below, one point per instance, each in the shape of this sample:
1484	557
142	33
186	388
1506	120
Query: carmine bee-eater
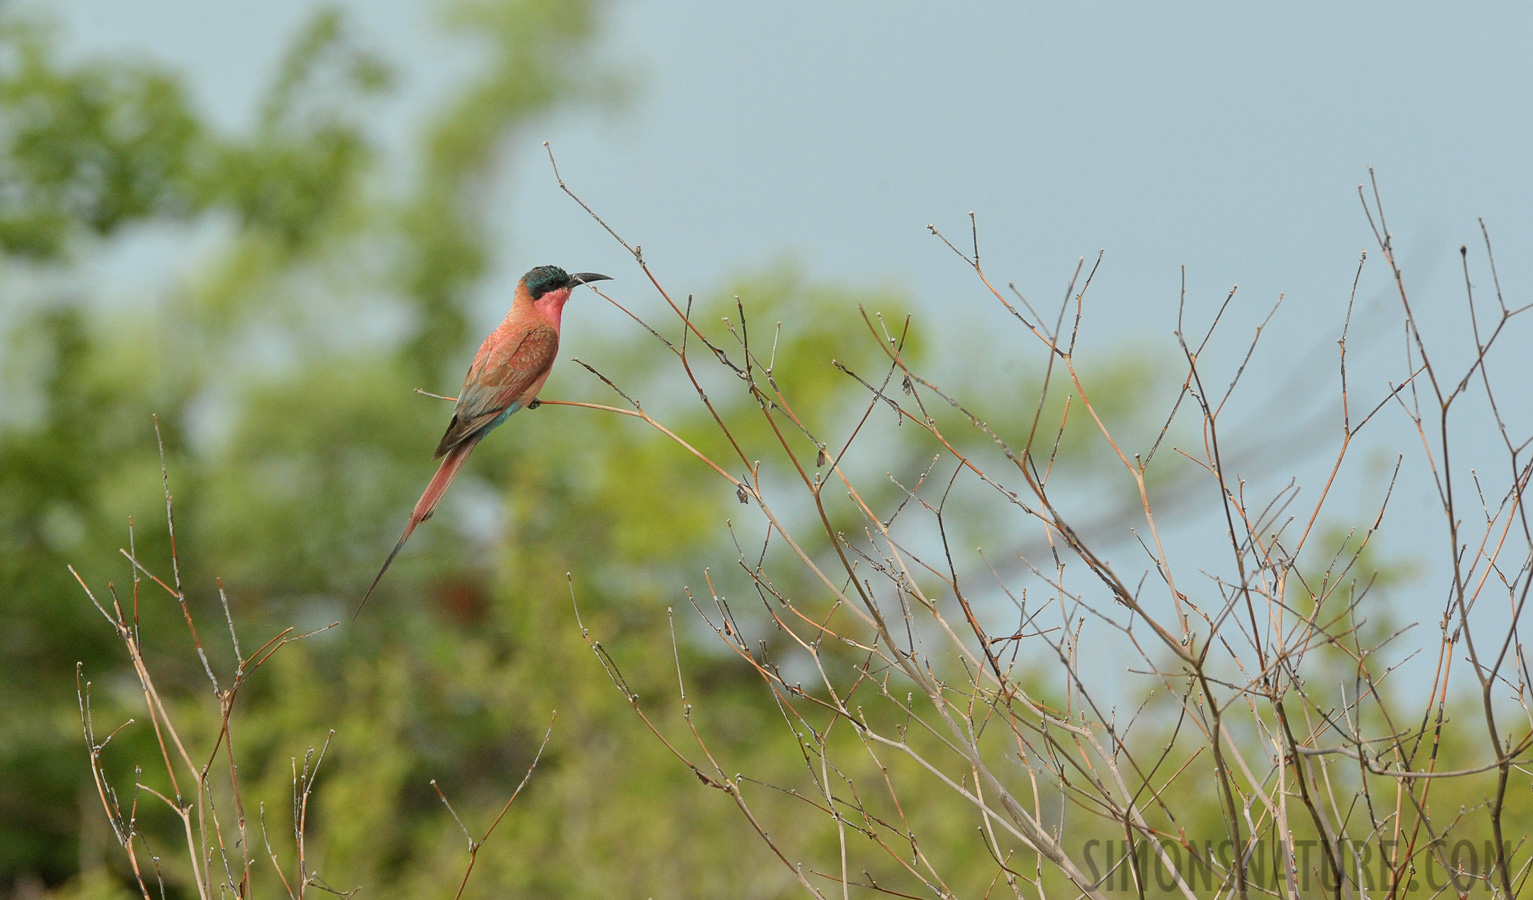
507	373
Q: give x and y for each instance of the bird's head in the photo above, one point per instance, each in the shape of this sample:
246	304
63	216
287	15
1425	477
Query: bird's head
551	284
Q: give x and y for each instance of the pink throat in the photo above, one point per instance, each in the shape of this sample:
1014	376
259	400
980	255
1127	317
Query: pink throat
551	304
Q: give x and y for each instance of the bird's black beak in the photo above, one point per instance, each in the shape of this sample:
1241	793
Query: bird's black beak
587	278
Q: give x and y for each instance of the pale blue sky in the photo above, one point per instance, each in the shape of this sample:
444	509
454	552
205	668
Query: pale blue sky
1219	136
1229	138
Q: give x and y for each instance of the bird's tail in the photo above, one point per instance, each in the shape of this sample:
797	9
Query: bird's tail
425	506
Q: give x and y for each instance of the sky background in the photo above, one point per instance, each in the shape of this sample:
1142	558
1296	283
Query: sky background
1229	139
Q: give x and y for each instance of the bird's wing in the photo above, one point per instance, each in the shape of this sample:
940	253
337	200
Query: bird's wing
499	377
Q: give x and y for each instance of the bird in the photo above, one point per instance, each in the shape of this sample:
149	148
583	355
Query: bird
506	375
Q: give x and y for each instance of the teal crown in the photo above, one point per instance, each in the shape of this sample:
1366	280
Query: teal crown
544	279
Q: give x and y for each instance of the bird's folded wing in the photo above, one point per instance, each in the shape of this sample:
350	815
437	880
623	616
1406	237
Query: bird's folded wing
498	379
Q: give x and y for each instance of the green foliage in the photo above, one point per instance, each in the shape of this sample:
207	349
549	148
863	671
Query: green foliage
70	482
87	149
301	167
292	500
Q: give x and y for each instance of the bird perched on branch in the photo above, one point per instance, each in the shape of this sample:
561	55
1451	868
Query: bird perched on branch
507	373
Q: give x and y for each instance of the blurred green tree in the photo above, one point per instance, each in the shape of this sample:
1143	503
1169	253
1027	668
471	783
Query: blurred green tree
291	500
